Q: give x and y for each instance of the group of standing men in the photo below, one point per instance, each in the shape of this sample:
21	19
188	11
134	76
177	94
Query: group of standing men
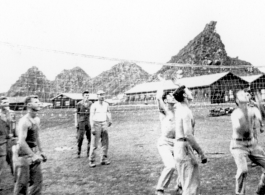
93	120
177	143
21	146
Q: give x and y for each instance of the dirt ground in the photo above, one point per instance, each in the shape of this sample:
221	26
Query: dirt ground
136	164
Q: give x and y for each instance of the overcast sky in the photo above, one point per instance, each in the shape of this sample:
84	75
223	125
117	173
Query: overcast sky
141	30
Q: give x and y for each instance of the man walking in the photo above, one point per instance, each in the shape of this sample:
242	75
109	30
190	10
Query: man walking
187	166
165	144
244	144
82	123
28	175
100	120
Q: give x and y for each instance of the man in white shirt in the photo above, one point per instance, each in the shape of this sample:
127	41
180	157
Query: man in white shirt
100	120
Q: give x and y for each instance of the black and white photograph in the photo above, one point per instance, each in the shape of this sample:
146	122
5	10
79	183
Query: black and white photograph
143	97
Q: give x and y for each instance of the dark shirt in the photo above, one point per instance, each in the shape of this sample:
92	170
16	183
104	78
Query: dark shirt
83	111
3	137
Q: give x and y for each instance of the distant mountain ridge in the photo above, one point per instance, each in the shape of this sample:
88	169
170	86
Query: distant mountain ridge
119	78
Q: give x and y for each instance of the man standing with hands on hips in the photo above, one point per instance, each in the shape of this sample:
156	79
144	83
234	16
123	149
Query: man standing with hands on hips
100	120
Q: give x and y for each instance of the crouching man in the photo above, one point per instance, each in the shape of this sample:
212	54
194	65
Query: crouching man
28	154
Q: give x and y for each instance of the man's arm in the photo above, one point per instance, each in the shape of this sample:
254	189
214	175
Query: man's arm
257	114
188	131
109	115
37	135
159	94
76	115
92	112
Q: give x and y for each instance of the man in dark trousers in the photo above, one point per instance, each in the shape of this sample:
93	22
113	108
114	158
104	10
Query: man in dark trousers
82	122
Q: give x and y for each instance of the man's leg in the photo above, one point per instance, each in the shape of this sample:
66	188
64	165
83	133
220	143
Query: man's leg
2	164
187	167
88	136
21	173
35	179
80	137
94	144
257	156
104	144
166	153
240	157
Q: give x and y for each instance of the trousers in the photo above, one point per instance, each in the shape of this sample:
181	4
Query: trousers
84	128
240	150
101	134
28	177
165	148
187	167
2	165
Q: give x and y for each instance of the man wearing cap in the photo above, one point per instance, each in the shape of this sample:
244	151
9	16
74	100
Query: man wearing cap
100	120
7	133
82	122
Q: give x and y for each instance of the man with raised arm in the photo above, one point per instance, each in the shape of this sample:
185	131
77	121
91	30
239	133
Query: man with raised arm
7	134
100	120
82	123
244	144
165	145
28	175
187	166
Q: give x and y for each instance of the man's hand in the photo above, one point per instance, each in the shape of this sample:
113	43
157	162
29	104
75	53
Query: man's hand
160	77
109	124
93	131
261	129
203	159
44	157
36	158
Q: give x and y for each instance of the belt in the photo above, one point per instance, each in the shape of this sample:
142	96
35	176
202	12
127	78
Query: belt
182	139
243	139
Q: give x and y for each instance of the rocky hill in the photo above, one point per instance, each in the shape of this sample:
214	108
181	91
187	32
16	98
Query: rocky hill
204	51
71	81
31	82
120	78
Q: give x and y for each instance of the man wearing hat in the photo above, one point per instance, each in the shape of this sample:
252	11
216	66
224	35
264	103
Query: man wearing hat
100	120
82	122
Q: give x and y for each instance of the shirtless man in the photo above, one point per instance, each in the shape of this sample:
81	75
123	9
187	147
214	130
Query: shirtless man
187	166
28	173
165	144
7	133
100	120
243	143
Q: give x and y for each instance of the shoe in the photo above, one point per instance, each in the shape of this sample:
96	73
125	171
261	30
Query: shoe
105	162
78	155
92	164
160	192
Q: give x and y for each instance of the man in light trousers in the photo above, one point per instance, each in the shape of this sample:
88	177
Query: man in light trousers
100	120
165	145
187	166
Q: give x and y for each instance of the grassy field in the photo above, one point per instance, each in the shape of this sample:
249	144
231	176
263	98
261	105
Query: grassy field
136	164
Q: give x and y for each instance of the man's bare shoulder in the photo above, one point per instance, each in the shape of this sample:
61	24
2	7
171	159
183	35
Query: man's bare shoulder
24	121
